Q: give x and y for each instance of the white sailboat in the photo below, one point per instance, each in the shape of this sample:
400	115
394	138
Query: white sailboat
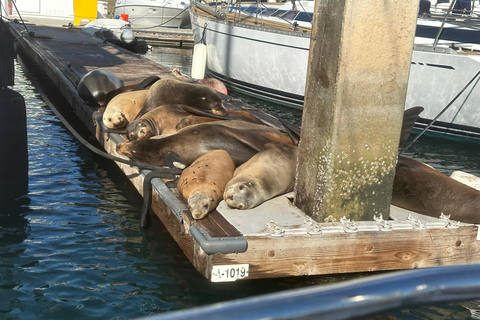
262	50
154	13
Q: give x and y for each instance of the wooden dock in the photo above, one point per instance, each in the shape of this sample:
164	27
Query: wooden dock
166	37
275	239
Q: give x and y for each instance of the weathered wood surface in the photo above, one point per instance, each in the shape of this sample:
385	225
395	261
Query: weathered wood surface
268	256
271	257
354	105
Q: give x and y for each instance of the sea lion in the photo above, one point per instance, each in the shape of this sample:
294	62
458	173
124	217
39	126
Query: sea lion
203	182
173	91
267	174
240	139
142	85
94	86
123	109
420	188
165	119
214	84
170	118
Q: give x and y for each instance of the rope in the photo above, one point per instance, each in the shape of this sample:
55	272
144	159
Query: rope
23	22
94	149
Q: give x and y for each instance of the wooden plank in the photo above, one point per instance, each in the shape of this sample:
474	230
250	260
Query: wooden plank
271	257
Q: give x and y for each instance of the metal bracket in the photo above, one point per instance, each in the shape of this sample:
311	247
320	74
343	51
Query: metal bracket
176	206
213	245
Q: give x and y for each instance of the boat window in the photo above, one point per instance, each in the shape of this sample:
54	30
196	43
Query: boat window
304	16
251	9
279	13
290	15
268	12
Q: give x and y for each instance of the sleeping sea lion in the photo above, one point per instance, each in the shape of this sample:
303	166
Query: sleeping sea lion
240	139
170	118
173	91
420	188
203	182
142	85
94	86
123	109
164	119
267	174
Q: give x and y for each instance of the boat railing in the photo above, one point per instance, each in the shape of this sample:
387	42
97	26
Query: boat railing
352	299
259	11
467	18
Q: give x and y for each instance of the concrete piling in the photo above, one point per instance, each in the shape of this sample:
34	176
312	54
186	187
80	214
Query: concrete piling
359	62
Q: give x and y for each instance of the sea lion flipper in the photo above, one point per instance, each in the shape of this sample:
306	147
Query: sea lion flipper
147	82
409	117
256	144
174	161
203	113
292	130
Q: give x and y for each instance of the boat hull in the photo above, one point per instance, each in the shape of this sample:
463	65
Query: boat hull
148	14
272	65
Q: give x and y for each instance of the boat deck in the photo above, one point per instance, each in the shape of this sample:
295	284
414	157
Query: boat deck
273	240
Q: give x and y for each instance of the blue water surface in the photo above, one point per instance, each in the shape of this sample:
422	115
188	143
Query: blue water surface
72	247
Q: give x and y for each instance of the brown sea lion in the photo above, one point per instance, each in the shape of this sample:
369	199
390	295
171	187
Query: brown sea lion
142	85
267	174
165	119
420	188
173	91
94	86
123	109
170	118
203	182
240	139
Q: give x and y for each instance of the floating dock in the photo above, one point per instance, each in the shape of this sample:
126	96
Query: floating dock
276	239
166	37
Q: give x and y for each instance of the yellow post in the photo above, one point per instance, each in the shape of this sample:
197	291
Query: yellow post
84	9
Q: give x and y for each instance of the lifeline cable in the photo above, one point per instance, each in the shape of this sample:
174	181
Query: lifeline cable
161	24
441	112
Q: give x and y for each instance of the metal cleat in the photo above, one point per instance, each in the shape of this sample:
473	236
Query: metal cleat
274	229
445	217
277	232
314	230
349	226
383	225
418	224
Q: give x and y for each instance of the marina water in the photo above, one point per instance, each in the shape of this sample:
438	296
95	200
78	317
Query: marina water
72	246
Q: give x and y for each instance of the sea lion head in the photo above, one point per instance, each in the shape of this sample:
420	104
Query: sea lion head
139	130
200	204
242	194
114	119
213	101
218	108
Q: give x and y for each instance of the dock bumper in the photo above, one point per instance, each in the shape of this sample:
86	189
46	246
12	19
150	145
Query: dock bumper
213	245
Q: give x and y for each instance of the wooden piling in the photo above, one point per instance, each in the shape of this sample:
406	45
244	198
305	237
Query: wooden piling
359	62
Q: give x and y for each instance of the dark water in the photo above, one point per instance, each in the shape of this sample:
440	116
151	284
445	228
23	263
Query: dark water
72	248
